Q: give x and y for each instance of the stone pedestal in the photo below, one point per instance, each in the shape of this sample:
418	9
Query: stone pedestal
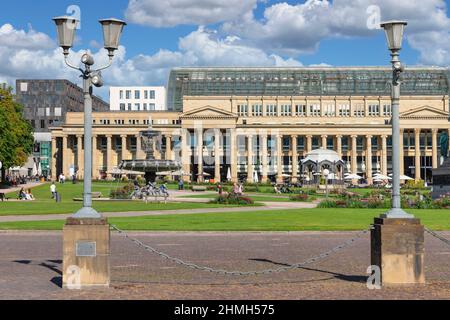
397	247
441	180
86	250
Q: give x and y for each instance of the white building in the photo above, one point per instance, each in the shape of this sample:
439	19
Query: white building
137	98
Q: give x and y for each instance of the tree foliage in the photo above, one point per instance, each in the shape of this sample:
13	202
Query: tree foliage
16	133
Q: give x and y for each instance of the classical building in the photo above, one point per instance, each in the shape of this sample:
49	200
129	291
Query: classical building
237	121
137	98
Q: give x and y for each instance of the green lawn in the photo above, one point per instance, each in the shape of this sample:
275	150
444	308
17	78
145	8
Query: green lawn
45	205
276	220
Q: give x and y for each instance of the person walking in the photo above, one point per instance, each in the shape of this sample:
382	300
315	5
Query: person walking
53	190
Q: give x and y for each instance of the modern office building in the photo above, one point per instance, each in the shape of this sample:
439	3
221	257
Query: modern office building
137	98
238	121
46	103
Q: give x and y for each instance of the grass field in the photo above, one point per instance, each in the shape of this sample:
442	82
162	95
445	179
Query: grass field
276	220
45	205
254	197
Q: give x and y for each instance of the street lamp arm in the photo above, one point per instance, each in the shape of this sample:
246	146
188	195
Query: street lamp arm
107	66
72	66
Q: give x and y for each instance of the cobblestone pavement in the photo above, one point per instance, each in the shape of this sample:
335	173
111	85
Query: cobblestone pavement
30	267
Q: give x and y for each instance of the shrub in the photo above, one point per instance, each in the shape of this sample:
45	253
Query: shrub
299	197
124	179
232	199
122	193
412	184
327	204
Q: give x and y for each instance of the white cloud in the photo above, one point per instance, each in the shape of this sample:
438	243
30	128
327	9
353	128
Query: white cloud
297	29
200	48
12	38
193	12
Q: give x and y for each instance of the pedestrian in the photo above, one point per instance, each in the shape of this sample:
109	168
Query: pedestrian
53	189
219	188
180	184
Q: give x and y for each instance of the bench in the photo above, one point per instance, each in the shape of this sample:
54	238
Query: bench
97	195
198	188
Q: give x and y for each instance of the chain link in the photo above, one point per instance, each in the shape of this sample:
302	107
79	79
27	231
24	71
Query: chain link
243	273
437	236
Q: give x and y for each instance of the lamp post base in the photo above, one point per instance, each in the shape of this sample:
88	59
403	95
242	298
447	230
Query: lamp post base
87	213
397	248
396	213
86	250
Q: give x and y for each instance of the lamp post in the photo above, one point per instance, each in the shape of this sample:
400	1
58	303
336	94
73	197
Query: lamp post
397	238
394	36
112	30
326	173
86	235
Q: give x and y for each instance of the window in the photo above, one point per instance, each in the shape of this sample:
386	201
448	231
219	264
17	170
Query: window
300	110
271	110
242	110
329	110
374	110
387	110
286	110
152	107
42	124
145	94
359	110
47	112
152	94
122	107
129	107
41	112
137	94
344	110
128	94
257	110
145	106
314	110
137	106
57	112
121	95
33	123
24	86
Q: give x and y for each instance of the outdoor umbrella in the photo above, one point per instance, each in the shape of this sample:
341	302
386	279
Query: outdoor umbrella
381	177
39	170
34	171
352	176
164	173
229	174
403	177
255	177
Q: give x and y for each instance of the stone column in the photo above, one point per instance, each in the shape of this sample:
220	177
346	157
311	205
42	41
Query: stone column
294	159
339	145
279	158
417	153
109	164
65	154
402	157
354	154
139	152
434	134
324	141
124	146
233	155
199	133
250	159
217	136
185	155
80	157
384	155
95	171
264	158
169	154
54	159
369	159
308	143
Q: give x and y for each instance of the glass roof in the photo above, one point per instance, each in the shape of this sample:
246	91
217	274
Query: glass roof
290	81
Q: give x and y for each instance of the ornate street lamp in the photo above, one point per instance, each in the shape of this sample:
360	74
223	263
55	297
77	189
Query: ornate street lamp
394	36
112	30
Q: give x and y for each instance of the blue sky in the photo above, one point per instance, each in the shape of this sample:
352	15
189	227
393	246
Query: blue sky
160	36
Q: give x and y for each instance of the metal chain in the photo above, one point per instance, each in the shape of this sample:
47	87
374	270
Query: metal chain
434	234
243	273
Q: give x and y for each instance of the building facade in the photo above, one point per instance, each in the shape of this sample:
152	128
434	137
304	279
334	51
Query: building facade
45	104
137	98
233	122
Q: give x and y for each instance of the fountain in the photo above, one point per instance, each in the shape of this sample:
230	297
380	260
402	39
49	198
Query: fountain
150	140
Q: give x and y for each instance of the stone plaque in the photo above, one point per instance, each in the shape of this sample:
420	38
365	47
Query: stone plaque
86	249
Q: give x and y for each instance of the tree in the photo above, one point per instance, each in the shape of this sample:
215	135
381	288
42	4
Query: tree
16	133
